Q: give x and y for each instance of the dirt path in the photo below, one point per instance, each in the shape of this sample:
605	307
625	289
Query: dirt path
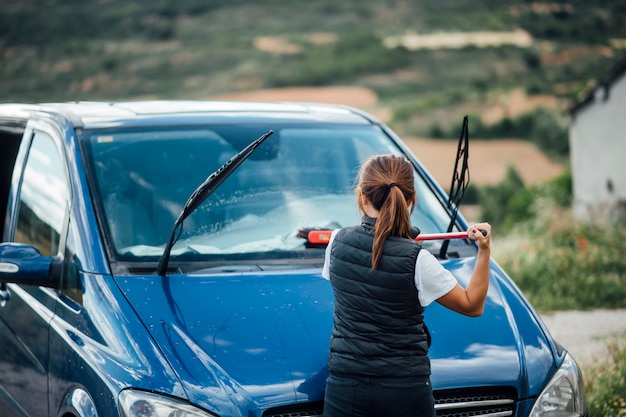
488	160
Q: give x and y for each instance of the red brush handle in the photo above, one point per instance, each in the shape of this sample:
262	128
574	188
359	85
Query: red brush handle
320	237
442	236
446	236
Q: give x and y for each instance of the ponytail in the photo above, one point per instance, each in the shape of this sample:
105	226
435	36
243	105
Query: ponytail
387	183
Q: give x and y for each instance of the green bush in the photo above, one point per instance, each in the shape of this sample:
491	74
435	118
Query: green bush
558	262
504	202
605	384
562	264
471	195
510	202
549	131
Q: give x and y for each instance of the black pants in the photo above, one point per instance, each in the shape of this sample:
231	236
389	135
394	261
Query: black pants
360	396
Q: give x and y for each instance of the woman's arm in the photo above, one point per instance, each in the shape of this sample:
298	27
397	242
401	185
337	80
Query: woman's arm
470	301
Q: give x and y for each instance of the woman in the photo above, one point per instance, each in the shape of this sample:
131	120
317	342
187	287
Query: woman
382	280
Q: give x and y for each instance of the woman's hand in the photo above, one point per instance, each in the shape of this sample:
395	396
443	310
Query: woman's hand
481	233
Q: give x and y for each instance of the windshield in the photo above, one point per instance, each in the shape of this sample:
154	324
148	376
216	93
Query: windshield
302	177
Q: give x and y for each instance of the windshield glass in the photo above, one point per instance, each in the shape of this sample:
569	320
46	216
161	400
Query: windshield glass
302	177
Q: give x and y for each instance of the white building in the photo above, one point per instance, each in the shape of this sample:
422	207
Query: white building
597	139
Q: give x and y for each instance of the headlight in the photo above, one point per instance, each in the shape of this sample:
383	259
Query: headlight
564	396
143	404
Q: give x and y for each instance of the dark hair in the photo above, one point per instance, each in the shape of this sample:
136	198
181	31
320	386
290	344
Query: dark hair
387	183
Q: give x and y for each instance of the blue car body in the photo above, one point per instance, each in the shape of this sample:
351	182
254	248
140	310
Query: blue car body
90	329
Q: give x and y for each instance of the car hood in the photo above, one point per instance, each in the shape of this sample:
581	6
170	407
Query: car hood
248	341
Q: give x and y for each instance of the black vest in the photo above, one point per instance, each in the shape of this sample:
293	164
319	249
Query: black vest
379	325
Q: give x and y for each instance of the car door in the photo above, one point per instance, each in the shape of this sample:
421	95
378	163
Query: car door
39	217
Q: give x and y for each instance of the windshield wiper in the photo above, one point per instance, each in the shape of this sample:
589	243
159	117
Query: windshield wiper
460	181
202	192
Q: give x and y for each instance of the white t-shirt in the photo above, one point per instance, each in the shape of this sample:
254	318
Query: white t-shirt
431	279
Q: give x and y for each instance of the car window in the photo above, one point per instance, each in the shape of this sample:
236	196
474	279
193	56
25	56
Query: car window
302	177
43	197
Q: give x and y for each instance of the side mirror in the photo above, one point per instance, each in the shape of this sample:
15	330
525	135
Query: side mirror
24	264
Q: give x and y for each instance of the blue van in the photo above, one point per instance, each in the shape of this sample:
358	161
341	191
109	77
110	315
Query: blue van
114	303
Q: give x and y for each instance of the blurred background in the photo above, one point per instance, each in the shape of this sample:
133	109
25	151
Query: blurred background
420	64
514	67
543	84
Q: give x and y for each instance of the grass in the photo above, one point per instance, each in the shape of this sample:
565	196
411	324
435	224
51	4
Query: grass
562	264
605	383
558	261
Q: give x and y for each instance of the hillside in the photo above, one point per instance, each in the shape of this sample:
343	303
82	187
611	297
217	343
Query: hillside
488	160
420	65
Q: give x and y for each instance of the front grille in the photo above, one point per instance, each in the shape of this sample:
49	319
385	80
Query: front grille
475	402
297	410
483	402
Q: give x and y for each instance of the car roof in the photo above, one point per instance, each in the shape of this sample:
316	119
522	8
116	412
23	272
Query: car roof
100	114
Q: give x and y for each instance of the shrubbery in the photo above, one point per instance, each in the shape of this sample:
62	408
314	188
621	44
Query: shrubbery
510	202
565	265
558	262
605	384
505	203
